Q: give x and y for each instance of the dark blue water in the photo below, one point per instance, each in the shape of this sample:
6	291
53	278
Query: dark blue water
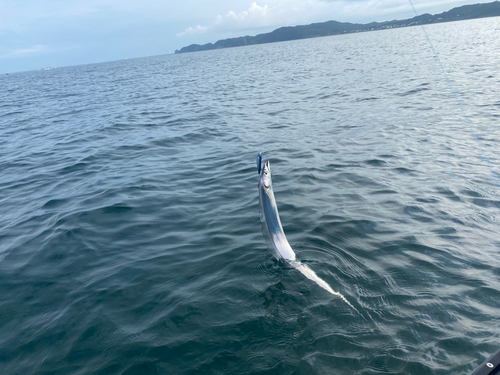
130	237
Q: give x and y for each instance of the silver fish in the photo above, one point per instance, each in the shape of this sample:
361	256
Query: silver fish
275	236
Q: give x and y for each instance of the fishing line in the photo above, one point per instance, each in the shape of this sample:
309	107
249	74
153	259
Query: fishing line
456	97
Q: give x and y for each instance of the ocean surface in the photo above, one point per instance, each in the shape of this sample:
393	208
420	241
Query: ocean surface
130	238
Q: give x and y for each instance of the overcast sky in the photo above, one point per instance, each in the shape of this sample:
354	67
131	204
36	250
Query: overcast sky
39	33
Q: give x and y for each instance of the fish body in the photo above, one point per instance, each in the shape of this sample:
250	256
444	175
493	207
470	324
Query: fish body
270	218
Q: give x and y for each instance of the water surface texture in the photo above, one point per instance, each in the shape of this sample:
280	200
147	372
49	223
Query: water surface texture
130	238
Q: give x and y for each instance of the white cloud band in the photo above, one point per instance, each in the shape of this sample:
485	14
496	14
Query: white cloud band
192	31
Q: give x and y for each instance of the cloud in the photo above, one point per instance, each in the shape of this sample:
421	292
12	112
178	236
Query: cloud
28	51
254	13
192	31
22	52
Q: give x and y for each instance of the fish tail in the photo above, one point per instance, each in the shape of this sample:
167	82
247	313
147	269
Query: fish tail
311	275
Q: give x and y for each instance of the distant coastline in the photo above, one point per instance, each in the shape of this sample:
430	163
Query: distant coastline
282	34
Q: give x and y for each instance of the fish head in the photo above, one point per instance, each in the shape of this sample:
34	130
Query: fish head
265	177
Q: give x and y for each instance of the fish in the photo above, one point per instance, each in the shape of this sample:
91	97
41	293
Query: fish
274	235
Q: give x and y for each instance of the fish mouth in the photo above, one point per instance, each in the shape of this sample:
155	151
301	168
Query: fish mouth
266	166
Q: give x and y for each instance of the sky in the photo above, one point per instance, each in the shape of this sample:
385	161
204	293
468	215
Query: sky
39	33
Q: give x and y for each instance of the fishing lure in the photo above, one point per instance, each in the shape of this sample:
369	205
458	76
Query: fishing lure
259	162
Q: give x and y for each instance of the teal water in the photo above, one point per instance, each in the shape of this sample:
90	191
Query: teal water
130	237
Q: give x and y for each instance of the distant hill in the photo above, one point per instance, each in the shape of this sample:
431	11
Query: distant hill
282	34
